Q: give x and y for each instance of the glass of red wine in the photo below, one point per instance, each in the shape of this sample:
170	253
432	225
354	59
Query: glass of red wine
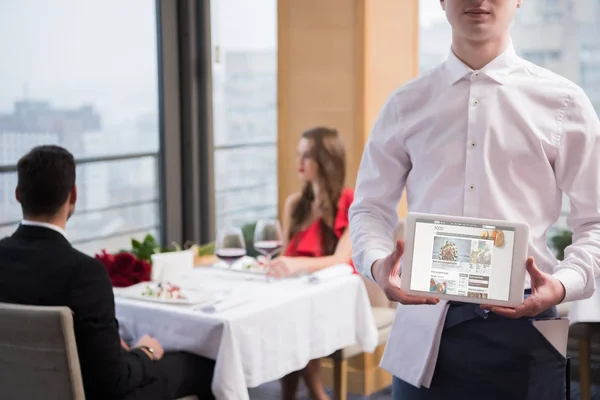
268	237
230	245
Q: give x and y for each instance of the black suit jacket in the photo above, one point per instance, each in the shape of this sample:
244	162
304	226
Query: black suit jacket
38	266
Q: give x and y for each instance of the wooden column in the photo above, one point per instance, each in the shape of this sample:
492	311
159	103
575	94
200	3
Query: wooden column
338	60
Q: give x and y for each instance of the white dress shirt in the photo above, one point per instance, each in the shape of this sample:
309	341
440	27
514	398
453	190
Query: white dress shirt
45	225
504	142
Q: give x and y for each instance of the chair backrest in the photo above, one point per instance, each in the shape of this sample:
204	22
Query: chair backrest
38	354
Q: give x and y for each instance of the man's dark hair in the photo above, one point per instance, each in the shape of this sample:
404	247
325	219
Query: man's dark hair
46	177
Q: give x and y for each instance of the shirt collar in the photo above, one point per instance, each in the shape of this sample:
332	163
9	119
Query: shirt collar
45	225
498	69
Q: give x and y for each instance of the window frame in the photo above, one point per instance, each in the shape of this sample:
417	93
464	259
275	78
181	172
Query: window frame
184	158
186	145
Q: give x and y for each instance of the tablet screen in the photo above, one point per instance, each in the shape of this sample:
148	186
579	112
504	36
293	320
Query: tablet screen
462	259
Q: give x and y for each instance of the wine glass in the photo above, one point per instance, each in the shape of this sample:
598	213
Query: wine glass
268	237
230	245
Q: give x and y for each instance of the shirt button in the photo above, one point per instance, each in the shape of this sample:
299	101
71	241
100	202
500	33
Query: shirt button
471	187
473	144
476	73
475	102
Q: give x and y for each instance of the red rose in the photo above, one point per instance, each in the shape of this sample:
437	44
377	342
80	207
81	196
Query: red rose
124	268
120	281
124	262
141	270
107	259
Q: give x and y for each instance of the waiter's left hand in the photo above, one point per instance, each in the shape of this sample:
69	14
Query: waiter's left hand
546	292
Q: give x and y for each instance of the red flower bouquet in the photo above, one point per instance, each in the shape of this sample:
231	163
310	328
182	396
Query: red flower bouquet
124	268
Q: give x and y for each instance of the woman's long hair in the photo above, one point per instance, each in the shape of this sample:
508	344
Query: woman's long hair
330	156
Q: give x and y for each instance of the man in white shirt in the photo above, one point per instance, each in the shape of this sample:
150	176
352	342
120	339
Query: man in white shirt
485	134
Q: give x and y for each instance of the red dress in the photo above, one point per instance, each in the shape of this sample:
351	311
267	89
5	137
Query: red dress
307	243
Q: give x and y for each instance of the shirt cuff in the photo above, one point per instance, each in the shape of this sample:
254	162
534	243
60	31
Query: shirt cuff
369	259
573	283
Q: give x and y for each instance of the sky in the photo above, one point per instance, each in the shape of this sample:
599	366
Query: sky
252	24
430	12
244	24
103	52
74	52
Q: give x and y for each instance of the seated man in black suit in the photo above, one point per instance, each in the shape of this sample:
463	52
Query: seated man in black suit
38	266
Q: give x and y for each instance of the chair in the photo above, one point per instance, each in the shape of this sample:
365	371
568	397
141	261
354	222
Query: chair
384	316
38	354
384	312
584	334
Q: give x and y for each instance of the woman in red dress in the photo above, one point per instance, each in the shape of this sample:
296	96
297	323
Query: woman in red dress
315	223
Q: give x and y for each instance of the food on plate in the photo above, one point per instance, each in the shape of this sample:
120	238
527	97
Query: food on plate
164	291
253	264
449	252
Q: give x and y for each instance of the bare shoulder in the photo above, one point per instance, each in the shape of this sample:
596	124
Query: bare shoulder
292	200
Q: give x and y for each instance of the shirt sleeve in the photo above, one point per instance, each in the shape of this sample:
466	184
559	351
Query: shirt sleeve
381	179
577	170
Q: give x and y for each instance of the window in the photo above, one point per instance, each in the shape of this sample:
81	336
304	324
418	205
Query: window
435	36
244	36
542	58
83	75
561	35
573	42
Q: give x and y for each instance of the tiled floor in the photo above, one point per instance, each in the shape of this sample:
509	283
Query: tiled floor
270	391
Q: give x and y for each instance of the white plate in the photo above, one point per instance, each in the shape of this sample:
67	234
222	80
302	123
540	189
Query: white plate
246	264
192	296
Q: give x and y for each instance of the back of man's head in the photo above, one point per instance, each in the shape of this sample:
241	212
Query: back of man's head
46	177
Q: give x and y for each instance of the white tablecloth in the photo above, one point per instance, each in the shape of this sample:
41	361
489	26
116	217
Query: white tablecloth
283	325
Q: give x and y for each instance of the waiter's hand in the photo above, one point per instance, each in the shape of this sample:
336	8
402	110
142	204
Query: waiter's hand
386	272
546	292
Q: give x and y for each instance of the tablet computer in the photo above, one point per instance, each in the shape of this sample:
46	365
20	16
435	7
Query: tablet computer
465	259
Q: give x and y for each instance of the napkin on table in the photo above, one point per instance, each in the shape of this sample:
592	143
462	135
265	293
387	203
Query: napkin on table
222	305
173	267
335	271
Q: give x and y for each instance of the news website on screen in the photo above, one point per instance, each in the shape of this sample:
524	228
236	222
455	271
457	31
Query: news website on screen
462	259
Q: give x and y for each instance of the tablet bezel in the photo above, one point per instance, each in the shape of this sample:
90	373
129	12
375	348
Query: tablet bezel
517	276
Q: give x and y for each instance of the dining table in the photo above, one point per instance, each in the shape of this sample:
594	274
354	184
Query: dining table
256	329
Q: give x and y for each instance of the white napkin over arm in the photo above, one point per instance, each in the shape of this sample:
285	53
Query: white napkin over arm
413	345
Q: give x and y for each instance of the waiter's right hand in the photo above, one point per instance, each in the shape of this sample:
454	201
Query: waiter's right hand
386	272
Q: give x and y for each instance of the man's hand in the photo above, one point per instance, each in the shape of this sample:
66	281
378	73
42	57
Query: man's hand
386	272
546	292
150	342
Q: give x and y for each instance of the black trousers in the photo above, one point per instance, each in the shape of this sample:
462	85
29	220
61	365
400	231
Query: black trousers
180	374
493	358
